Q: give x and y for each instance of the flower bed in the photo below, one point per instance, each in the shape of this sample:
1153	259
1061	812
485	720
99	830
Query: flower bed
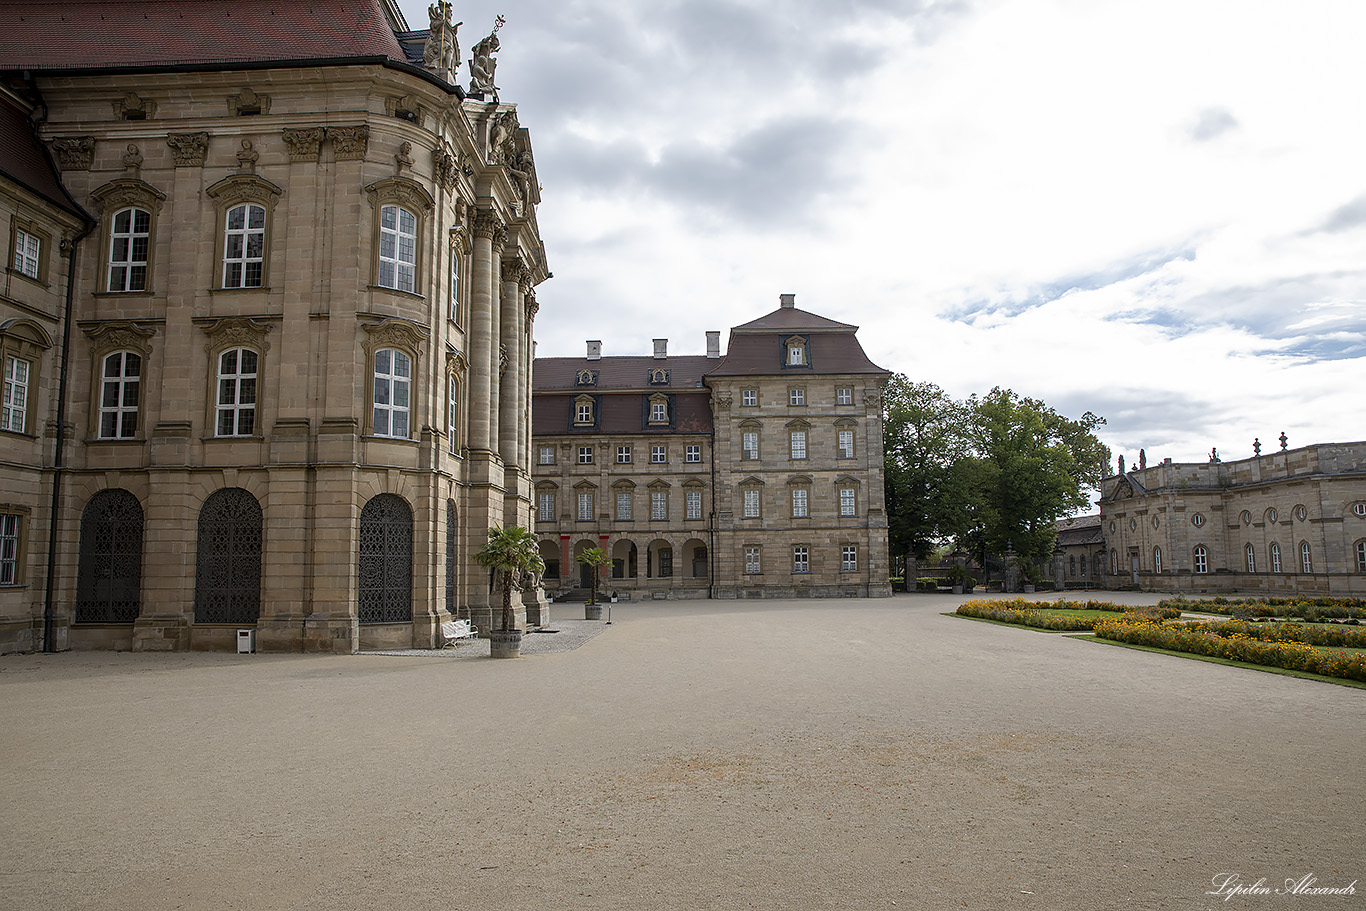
1036	613
1237	641
1299	608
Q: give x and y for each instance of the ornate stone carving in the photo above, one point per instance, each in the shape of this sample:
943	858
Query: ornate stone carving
502	359
304	145
234	331
113	336
721	400
133	107
512	269
586	378
127	191
75	153
872	399
532	308
522	172
460	241
446	166
401	190
188	150
247	156
403	158
397	333
456	365
248	102
442	52
239	188
405	108
132	161
487	223
483	63
502	138
349	143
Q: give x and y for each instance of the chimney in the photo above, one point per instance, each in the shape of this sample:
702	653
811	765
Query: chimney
661	348
594	349
713	344
787	301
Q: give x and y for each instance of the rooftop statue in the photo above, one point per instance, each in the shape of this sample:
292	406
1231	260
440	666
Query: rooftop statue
442	53
483	63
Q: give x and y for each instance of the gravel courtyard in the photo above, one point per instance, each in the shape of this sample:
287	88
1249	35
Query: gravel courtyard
694	755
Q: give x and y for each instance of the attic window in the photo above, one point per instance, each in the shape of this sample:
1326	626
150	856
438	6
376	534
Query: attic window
659	377
583	410
795	352
659	409
586	378
134	115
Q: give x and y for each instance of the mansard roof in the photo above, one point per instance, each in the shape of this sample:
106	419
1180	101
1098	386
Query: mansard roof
790	318
143	34
24	160
761	353
619	373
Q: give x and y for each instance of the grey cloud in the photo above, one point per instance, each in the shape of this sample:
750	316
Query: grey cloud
1211	123
1346	217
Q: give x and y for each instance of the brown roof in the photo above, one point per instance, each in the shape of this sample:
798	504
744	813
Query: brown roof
617	373
24	160
621	412
1079	531
761	354
96	34
791	318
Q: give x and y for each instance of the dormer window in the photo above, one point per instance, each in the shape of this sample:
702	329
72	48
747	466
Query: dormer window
659	409
583	411
795	352
659	377
586	378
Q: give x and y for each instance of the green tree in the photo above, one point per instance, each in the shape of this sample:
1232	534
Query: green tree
513	552
1030	467
595	557
925	440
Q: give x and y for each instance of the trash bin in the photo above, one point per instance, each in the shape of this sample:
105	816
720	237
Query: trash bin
246	641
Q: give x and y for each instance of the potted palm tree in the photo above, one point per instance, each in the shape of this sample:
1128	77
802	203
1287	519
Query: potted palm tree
513	552
595	557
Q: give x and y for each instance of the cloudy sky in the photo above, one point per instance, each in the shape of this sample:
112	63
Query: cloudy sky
1153	210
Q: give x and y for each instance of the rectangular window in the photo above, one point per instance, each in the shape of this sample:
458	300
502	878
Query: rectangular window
585	507
658	454
751	503
749	445
692	453
583	413
15	414
796	355
800	560
659	412
623	506
796	396
1275	558
749	397
119	396
545	510
799	504
237	393
849	558
1306	564
455	286
846	444
129	241
848	501
244	249
547	455
693	501
623	455
799	444
752	560
585	455
659	505
26	250
9	549
844	395
453	416
397	249
393	381
666	562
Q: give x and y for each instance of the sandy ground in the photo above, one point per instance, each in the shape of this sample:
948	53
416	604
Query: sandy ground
697	755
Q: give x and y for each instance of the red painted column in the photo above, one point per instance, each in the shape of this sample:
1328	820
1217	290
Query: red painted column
566	566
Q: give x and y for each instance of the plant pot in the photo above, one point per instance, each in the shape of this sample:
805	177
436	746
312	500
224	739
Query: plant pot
505	643
958	589
592	612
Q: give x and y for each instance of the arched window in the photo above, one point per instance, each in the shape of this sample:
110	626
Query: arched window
1157	559
1275	558
109	578
236	407
120	392
227	584
129	242
244	246
393	382
1250	553
1114	562
385	561
1201	559
1306	564
1361	556
397	249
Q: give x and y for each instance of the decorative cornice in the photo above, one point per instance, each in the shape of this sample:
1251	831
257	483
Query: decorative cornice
188	150
456	364
397	332
127	191
75	153
120	334
304	145
403	190
349	143
236	330
238	188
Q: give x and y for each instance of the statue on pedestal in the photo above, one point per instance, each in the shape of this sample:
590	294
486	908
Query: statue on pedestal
483	63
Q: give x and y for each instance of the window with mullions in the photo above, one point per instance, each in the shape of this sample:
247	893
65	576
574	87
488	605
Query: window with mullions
749	445
659	505
752	564
1361	556
801	559
393	384
623	506
585	455
623	455
1275	558
120	389
545	507
849	558
848	501
9	548
397	249
844	395
236	393
752	503
846	444
798	440
1306	563
692	453
658	454
129	241
14	417
693	502
585	507
1201	559
244	247
27	253
547	455
799	505
1250	553
749	397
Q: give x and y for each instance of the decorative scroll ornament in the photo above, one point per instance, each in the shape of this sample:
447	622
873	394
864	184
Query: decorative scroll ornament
188	150
304	145
483	63
125	192
75	153
113	336
721	400
248	102
237	331
396	333
133	107
239	188
872	399
349	143
456	365
404	191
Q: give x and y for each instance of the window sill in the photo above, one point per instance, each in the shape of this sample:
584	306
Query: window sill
20	273
399	291
259	289
384	439
124	441
144	292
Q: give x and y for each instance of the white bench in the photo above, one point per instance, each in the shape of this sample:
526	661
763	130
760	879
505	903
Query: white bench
452	631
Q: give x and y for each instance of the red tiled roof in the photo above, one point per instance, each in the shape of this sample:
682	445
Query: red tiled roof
94	34
23	160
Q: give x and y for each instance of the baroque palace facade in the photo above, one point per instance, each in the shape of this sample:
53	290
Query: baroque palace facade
757	474
266	325
1290	522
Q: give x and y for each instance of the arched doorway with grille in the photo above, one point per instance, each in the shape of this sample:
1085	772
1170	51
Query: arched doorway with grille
385	562
109	577
227	580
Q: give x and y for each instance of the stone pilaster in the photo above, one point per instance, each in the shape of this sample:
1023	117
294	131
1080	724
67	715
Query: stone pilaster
510	400
482	349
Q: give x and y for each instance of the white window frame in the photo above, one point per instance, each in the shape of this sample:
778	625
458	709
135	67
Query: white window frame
749	445
10	527
28	249
1361	556
659	455
1250	555
845	443
623	455
14	418
397	249
1275	557
119	416
753	561
623	506
583	412
585	455
797	442
692	453
848	501
692	500
547	455
801	506
659	505
392	394
585	506
1306	558
659	412
545	507
796	355
844	395
749	398
849	558
1200	559
455	285
238	390
453	416
128	237
753	503
238	246
1157	560
801	559
796	396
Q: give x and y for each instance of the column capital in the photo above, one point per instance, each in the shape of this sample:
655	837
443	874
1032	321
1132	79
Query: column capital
514	269
488	223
